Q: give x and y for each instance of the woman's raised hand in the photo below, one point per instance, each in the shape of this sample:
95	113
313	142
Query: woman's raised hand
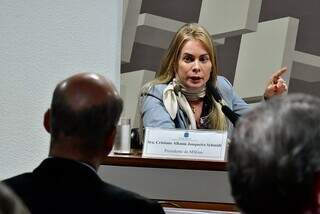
276	84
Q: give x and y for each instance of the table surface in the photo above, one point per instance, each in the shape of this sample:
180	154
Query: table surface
136	160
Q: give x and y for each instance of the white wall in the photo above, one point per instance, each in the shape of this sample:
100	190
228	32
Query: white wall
41	43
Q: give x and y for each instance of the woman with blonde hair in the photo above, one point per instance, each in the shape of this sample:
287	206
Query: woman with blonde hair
182	94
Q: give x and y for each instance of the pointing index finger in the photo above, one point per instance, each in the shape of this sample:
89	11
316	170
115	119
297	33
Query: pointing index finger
279	73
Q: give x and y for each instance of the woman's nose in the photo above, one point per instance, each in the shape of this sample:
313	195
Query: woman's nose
196	66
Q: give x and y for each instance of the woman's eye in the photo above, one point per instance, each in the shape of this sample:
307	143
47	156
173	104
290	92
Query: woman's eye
187	59
204	59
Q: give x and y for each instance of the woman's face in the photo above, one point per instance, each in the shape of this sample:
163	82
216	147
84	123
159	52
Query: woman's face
194	65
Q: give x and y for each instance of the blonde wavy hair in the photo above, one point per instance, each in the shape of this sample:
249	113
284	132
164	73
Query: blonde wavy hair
169	66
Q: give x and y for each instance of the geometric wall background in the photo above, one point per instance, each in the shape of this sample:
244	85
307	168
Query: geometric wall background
150	24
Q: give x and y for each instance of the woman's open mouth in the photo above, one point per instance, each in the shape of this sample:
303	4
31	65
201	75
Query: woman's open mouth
195	78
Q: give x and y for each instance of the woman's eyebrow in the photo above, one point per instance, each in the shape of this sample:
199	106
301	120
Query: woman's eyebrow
188	54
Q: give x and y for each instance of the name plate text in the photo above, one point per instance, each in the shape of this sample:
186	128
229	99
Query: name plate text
185	144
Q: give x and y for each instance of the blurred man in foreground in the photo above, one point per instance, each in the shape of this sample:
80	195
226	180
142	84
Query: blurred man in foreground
274	158
10	203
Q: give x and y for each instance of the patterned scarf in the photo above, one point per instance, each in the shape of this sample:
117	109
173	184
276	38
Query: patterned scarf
176	94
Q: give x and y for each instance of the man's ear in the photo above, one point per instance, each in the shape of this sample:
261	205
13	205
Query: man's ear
47	121
109	141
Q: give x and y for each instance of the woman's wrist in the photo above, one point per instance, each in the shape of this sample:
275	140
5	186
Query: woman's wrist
265	97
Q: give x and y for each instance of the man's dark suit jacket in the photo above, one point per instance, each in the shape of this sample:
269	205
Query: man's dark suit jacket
61	186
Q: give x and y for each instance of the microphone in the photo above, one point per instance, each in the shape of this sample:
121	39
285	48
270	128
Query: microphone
231	115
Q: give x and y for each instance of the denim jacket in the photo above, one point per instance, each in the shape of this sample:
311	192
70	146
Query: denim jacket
154	113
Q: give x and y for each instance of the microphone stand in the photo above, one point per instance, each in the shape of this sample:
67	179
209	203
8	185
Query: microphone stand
231	115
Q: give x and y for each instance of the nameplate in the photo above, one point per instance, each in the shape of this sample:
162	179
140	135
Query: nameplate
184	144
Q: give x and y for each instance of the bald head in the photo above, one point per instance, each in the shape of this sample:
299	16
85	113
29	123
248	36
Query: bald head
84	90
85	106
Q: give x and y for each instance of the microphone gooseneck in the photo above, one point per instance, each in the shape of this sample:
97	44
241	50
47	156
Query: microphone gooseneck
231	115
